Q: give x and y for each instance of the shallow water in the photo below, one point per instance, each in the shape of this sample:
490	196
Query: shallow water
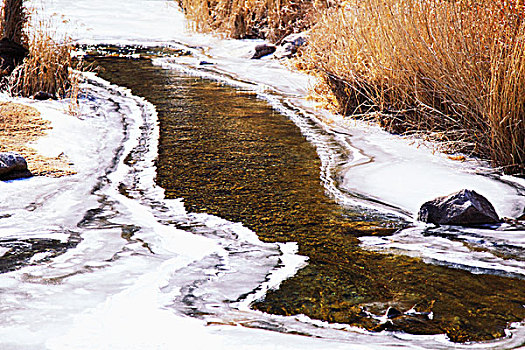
227	153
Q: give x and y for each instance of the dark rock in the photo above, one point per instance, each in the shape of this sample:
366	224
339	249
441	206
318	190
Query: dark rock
13	166
393	313
464	208
263	50
205	63
42	95
11	55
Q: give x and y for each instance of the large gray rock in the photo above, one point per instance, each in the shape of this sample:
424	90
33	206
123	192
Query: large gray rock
463	208
13	166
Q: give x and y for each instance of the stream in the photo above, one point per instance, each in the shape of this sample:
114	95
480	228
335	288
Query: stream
218	221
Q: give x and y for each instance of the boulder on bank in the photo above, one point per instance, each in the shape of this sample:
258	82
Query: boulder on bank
463	208
13	166
263	50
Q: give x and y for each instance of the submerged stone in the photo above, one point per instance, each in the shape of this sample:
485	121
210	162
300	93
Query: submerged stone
464	208
13	166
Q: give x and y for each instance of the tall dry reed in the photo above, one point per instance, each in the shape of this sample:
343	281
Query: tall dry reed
13	20
48	67
454	68
239	19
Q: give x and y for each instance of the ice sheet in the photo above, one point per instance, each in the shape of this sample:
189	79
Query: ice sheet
116	291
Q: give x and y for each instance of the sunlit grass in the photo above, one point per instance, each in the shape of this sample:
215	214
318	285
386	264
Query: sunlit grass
452	69
49	65
270	19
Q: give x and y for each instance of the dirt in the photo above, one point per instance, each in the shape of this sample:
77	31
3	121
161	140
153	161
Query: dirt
21	125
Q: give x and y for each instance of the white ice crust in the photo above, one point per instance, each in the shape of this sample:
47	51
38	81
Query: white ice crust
113	293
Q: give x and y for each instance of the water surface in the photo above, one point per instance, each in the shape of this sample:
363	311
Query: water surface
228	153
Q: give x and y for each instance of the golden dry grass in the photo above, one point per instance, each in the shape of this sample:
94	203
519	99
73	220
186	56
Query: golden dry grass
48	67
239	19
19	126
452	69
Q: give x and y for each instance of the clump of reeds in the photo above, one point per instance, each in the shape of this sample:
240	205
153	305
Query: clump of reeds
451	68
239	19
49	65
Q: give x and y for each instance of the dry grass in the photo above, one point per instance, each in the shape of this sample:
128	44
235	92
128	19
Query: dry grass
454	69
19	126
239	19
48	67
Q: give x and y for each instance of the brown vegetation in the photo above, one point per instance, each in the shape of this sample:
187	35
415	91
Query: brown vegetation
20	125
239	19
13	19
48	67
453	70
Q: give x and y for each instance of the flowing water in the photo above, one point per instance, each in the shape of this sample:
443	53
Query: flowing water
199	208
227	153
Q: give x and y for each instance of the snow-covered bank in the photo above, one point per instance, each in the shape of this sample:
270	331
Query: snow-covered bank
400	172
111	291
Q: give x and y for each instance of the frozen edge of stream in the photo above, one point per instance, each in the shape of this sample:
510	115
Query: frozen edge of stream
107	321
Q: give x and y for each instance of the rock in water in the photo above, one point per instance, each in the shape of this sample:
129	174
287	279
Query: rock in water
263	50
464	208
13	166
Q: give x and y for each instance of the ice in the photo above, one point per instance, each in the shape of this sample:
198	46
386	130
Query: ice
117	290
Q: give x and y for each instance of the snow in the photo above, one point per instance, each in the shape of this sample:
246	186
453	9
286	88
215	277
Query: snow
110	293
403	173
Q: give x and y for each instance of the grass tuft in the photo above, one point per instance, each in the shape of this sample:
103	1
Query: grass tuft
452	69
240	19
48	67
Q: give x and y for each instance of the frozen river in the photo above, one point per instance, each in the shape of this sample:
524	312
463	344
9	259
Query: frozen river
152	245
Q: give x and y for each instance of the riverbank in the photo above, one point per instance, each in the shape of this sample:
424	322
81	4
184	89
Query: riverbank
139	248
20	127
443	71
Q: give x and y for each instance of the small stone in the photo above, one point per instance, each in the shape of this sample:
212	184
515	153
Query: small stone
393	313
263	50
42	96
463	208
